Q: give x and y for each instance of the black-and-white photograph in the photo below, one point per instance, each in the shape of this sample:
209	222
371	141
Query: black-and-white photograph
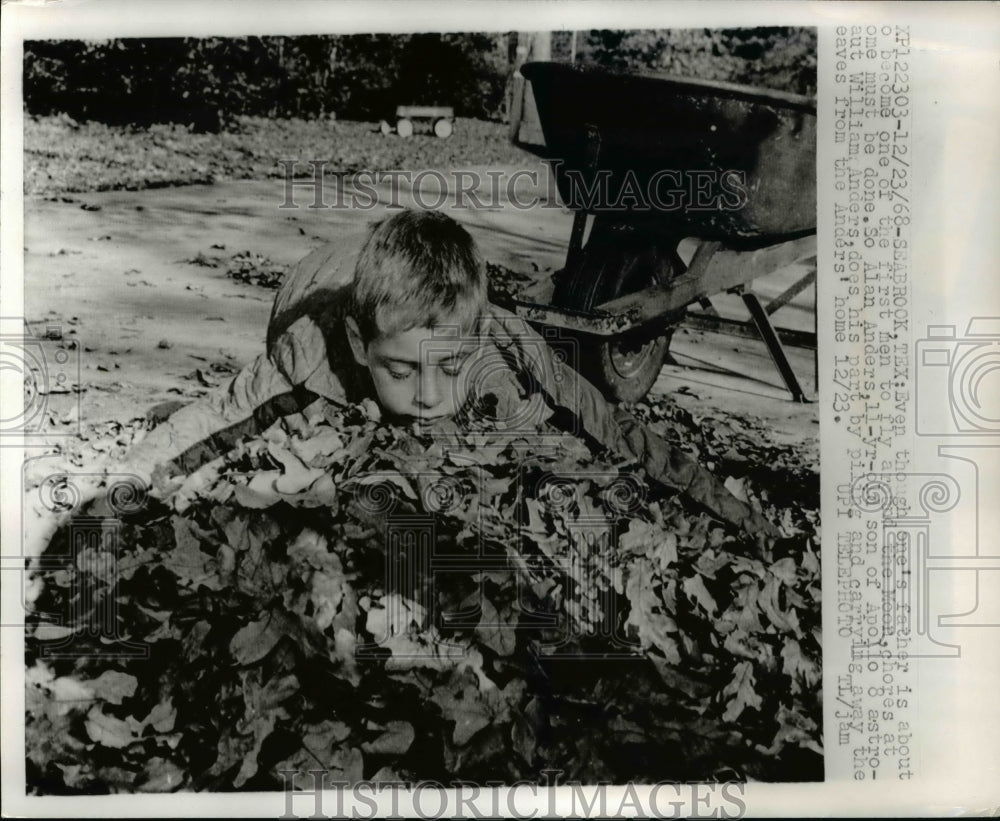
420	408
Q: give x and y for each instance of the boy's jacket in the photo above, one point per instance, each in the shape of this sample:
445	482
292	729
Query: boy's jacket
308	360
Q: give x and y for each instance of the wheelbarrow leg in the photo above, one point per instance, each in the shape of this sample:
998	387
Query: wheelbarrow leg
576	240
774	346
593	152
791	292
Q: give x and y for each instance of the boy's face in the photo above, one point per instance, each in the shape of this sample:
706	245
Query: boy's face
418	375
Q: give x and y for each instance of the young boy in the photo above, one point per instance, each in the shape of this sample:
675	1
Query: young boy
401	316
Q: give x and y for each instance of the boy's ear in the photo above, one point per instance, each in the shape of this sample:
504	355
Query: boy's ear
355	341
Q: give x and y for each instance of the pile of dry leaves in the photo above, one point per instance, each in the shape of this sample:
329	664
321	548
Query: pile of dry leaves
407	604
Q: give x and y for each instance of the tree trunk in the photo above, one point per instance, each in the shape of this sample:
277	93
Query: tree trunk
541	45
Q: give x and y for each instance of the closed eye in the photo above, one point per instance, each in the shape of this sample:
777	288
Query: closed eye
453	366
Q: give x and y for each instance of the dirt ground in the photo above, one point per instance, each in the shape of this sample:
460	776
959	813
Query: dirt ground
113	271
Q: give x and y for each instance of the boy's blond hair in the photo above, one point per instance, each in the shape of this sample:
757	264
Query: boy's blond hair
417	269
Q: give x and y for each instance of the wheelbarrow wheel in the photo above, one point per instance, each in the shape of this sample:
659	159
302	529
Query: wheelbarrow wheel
625	366
443	127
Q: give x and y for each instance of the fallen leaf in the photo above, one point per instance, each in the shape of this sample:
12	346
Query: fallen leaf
800	669
325	735
260	728
694	587
466	709
737	487
70	693
526	728
784	569
323	444
160	775
260	492
186	560
108	730
258	638
53	632
496	630
396	740
113	686
638	538
741	688
386	775
162	717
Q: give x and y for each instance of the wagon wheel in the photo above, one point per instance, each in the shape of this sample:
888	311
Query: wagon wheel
385	128
404	128
443	127
624	367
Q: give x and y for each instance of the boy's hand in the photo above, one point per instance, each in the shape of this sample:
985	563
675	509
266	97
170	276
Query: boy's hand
763	532
756	525
164	483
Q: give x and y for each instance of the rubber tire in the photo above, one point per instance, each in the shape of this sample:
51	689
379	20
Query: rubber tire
607	270
404	128
443	128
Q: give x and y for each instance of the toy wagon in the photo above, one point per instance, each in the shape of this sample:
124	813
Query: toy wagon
440	119
651	160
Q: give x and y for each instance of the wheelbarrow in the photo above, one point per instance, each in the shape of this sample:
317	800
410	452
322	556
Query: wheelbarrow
649	160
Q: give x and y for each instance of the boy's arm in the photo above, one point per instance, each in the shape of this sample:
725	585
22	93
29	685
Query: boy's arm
196	434
284	381
203	431
191	437
293	373
675	468
617	429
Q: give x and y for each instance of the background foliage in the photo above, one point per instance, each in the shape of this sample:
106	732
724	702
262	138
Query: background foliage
208	82
63	156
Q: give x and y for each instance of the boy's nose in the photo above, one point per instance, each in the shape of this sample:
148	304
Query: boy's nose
428	393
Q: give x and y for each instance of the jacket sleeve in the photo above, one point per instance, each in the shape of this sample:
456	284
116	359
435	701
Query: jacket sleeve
297	368
196	434
614	428
676	469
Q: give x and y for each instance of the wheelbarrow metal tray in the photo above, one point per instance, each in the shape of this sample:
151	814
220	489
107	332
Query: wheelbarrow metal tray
689	129
722	269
